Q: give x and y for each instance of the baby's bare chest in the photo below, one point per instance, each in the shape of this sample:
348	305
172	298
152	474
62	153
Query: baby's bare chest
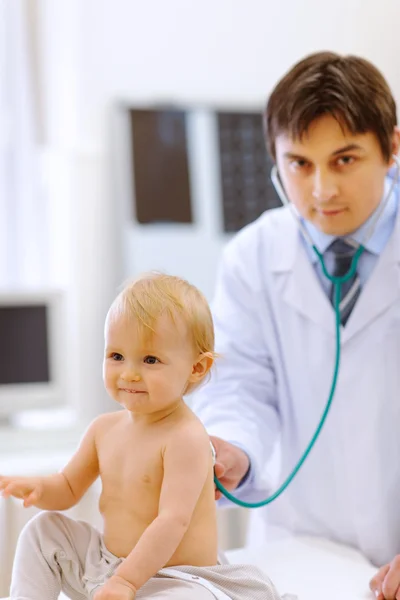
132	466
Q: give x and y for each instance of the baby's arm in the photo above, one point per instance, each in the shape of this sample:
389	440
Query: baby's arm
83	468
61	490
48	493
186	467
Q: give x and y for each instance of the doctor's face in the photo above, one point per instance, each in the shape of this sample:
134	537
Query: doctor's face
334	178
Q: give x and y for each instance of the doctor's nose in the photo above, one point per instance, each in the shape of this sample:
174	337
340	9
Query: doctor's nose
324	186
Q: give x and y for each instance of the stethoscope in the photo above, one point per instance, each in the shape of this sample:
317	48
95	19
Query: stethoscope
337	283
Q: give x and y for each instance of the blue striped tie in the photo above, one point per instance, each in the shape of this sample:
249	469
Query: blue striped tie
338	259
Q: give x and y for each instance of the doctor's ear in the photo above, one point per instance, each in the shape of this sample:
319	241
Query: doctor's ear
201	367
395	143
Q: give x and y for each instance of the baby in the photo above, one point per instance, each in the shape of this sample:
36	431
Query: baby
156	468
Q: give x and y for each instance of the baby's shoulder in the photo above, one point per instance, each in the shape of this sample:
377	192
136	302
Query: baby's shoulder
107	422
190	430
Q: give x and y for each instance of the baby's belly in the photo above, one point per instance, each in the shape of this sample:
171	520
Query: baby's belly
123	527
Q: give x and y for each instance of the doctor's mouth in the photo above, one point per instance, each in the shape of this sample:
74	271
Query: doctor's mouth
330	212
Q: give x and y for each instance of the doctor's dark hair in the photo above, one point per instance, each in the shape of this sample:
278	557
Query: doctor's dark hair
349	88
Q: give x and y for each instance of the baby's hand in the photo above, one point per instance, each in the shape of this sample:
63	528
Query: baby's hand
116	588
29	489
386	583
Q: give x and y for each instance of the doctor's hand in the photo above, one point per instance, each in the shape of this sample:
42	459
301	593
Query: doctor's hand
386	583
231	464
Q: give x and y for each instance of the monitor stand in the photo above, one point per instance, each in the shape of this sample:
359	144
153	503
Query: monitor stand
5	421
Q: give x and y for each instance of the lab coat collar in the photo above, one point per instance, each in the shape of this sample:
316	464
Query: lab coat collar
376	242
301	288
382	288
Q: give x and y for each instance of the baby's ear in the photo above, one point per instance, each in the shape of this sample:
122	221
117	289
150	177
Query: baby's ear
201	367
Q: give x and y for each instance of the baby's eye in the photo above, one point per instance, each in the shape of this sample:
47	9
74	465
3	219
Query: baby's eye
116	356
151	360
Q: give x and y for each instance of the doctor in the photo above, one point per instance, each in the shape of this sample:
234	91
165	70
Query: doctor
331	127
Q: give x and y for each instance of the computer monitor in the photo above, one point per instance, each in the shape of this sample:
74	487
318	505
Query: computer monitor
31	351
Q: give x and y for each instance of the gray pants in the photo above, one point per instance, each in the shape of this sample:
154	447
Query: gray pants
56	553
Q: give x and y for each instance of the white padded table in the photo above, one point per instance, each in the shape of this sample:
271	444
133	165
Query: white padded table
311	568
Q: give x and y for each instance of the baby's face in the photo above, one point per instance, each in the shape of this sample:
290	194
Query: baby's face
147	376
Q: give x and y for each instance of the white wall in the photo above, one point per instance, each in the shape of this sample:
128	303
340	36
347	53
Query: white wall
228	51
95	53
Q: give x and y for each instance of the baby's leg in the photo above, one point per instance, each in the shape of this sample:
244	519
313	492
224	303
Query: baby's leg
51	555
162	588
220	582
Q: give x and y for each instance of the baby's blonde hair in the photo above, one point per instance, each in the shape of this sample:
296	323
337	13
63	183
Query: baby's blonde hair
154	294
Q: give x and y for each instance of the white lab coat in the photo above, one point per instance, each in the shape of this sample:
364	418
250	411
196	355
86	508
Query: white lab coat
275	332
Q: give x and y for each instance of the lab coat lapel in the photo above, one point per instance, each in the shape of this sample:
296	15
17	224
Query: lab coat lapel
299	285
381	290
304	292
296	278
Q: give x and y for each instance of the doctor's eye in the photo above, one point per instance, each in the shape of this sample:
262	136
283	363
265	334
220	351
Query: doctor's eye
116	356
345	160
299	164
151	360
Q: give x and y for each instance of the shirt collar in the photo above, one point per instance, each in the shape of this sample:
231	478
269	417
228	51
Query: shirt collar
381	233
